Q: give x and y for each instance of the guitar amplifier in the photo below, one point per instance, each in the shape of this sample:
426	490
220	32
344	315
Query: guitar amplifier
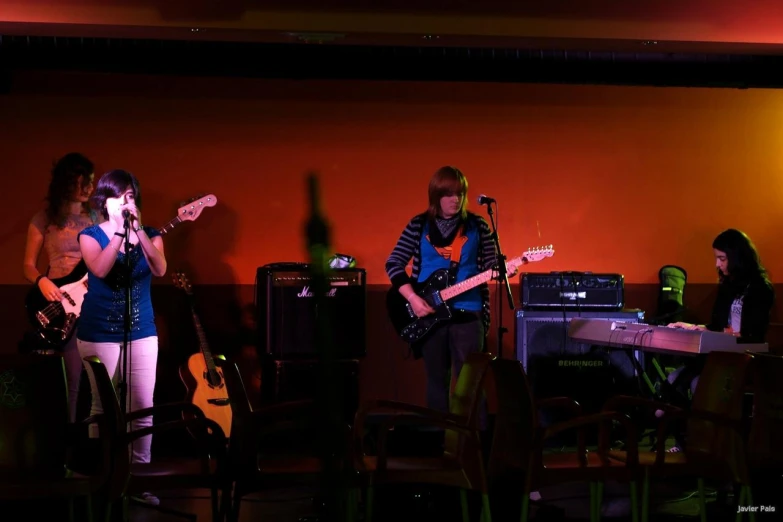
558	366
572	290
287	311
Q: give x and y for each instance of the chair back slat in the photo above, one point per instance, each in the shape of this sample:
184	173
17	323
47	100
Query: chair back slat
33	416
516	423
720	391
467	396
766	432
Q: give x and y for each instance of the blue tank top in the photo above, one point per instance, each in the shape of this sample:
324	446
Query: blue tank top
102	318
432	260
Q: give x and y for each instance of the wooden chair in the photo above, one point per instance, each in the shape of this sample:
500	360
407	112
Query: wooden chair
764	448
518	463
252	466
209	471
714	441
461	465
34	433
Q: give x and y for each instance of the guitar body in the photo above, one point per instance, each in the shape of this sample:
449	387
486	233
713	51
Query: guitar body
207	391
405	322
56	321
436	291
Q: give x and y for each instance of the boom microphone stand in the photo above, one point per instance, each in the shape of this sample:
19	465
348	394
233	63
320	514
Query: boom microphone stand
502	277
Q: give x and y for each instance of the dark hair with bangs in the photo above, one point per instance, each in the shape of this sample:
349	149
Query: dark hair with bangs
113	184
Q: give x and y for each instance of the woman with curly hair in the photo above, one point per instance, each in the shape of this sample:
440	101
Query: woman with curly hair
54	229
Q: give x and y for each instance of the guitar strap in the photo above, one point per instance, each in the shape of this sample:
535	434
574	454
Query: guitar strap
452	252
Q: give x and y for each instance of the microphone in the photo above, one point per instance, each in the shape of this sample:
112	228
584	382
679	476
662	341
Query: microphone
485	200
126	213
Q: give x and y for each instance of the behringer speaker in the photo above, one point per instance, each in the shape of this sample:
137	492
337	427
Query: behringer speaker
556	366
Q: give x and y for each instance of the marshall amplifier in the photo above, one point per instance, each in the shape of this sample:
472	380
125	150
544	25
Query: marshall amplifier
572	290
287	312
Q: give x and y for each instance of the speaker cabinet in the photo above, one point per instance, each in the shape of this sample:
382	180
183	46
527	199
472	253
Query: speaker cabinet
287	312
557	366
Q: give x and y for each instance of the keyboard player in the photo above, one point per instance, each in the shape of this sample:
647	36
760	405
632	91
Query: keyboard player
742	306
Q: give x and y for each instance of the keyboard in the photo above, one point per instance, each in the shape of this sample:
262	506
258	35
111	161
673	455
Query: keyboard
662	339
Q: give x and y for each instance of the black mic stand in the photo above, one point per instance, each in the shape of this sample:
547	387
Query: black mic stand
123	382
501	278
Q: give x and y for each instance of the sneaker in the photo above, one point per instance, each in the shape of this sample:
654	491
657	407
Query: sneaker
147	498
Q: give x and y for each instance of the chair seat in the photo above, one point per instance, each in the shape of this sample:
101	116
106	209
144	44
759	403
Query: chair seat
170	474
565	467
418	470
290	465
570	461
647	458
413	463
71	485
168	468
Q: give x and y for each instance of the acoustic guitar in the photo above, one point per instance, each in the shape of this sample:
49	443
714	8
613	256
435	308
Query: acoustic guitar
55	321
436	291
204	382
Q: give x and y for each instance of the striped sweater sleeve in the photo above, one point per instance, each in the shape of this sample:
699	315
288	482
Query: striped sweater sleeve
488	254
406	248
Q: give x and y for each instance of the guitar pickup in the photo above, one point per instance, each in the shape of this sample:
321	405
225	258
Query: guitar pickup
70	300
42	319
219	402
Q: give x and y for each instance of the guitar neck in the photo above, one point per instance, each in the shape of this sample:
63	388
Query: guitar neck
202	340
168	227
472	282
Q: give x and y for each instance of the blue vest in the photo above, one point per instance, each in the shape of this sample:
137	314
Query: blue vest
432	260
102	318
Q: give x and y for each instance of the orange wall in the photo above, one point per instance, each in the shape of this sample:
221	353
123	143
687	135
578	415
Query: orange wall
616	178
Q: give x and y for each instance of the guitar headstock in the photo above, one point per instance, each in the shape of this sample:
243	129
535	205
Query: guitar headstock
537	253
181	281
192	210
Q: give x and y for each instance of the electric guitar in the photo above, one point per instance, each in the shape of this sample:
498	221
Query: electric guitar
437	292
55	321
204	381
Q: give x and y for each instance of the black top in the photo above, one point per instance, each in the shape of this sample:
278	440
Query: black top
758	297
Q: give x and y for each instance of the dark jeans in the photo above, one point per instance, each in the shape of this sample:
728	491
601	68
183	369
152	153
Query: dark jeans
444	352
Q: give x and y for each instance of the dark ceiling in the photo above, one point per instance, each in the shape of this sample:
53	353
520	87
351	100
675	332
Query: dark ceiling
215	38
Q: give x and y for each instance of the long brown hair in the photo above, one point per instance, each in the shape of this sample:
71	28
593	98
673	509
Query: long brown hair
65	179
447	180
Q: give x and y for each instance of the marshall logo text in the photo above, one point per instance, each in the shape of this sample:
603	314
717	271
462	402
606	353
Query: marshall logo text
307	293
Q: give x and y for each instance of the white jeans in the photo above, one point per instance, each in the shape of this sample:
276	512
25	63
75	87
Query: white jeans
142	365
